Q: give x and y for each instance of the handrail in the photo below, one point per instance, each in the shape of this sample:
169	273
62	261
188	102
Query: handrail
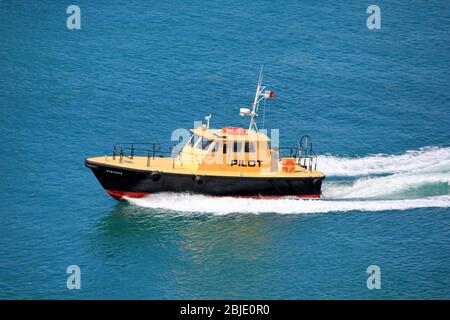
304	158
303	153
129	150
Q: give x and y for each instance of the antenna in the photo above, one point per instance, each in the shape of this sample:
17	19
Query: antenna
260	94
208	120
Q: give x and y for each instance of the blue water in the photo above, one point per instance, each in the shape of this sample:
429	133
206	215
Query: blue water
376	102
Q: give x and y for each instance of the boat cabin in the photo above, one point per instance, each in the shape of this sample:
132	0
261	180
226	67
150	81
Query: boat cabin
230	148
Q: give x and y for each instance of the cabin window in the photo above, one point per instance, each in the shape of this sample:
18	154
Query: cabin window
237	146
206	143
193	141
217	147
250	147
198	142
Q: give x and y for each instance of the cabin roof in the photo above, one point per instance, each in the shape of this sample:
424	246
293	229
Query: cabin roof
221	134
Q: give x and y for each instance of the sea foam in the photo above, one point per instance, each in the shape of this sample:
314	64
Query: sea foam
203	204
429	159
371	183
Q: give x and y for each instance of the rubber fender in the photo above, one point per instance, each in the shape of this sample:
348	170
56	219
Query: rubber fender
155	176
198	179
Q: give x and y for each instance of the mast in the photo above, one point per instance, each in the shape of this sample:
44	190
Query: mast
260	94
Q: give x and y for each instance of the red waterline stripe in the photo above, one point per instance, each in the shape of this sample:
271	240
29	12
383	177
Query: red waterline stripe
118	195
306	196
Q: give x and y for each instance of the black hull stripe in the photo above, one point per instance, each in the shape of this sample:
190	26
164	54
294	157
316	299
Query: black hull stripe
141	181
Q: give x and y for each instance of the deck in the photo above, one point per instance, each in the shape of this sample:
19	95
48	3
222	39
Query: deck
170	165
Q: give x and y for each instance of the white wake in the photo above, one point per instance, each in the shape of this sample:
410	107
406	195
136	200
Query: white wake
415	179
392	186
429	159
221	206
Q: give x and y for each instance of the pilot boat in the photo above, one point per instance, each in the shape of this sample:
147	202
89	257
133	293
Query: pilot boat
230	161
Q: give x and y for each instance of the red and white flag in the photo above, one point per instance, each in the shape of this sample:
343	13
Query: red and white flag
269	94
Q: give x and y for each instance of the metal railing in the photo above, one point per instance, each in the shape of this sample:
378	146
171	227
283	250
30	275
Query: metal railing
131	149
307	161
303	153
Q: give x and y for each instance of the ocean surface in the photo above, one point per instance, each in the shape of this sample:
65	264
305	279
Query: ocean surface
375	102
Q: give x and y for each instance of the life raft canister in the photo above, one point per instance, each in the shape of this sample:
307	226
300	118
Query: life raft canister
234	130
288	165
